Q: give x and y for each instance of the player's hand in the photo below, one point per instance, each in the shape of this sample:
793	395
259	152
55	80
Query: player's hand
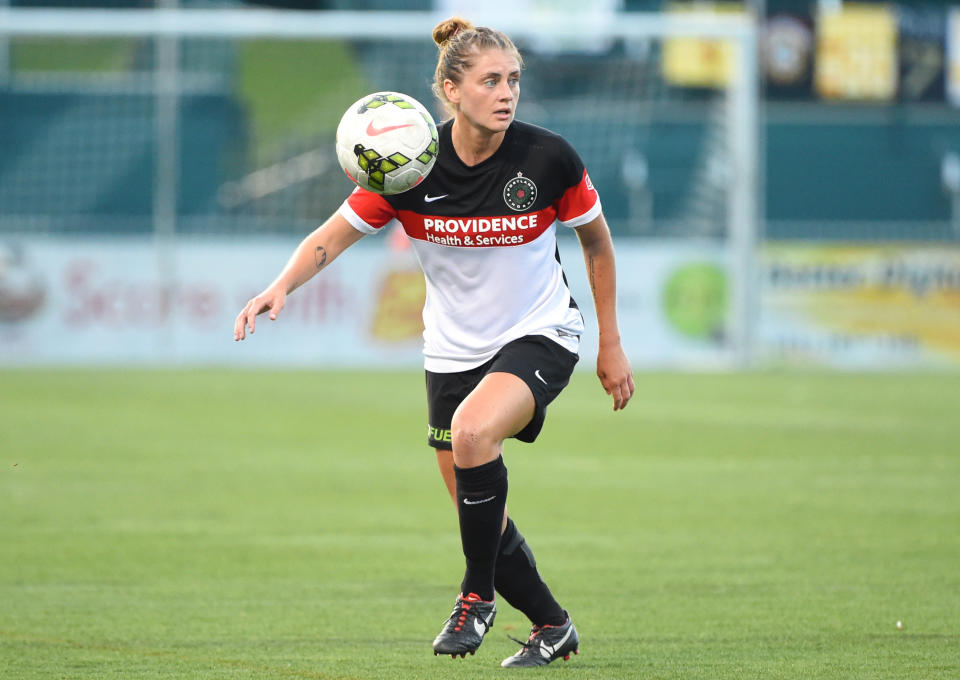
273	299
616	376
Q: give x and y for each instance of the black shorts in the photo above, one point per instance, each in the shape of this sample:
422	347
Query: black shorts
541	363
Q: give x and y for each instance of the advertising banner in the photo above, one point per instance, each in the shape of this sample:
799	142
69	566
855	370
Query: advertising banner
113	301
105	301
856	55
77	301
861	306
786	54
922	53
699	62
953	56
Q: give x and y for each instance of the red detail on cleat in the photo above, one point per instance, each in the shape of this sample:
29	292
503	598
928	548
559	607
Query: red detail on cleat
576	651
566	658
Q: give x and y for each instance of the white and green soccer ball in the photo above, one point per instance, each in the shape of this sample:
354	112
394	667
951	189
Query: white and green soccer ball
387	142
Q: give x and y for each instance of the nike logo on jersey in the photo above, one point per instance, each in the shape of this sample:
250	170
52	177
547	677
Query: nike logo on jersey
430	199
539	377
373	132
546	651
467	501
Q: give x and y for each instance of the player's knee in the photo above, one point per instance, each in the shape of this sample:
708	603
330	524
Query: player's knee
473	440
466	433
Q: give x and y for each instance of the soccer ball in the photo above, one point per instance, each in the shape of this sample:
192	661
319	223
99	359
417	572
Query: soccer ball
387	142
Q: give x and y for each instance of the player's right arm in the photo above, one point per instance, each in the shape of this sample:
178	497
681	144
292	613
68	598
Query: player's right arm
314	253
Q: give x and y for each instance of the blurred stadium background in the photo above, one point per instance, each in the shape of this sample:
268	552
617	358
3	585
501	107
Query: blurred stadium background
782	179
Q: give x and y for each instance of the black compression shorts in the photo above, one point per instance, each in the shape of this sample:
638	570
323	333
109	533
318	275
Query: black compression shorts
542	364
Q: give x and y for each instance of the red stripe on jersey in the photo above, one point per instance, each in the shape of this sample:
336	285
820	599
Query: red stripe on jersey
577	200
494	231
370	207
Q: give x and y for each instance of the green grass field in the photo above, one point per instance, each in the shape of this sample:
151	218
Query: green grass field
230	524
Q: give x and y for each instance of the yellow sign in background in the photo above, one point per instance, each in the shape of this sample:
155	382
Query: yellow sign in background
896	301
856	53
700	62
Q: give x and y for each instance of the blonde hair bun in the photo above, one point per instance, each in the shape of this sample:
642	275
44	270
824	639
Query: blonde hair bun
444	32
460	42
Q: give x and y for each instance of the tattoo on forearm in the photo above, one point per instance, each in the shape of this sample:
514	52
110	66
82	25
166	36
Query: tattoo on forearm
591	273
320	255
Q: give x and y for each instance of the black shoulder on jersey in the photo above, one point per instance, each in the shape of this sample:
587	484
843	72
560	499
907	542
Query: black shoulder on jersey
542	156
560	156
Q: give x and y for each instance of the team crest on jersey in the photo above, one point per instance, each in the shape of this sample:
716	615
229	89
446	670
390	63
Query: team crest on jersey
520	193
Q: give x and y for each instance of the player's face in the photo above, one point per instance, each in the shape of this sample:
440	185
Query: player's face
487	96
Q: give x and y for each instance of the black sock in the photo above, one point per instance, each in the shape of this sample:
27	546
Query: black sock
520	584
481	499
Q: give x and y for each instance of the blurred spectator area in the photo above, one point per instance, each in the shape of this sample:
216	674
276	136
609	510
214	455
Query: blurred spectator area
833	170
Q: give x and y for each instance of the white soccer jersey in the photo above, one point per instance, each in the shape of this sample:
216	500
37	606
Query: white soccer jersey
485	236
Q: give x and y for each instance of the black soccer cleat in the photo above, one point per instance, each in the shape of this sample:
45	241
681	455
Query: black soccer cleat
464	630
545	644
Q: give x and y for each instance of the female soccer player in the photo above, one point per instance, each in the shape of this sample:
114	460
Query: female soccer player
501	328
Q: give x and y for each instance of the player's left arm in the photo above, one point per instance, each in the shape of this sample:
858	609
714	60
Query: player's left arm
613	366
